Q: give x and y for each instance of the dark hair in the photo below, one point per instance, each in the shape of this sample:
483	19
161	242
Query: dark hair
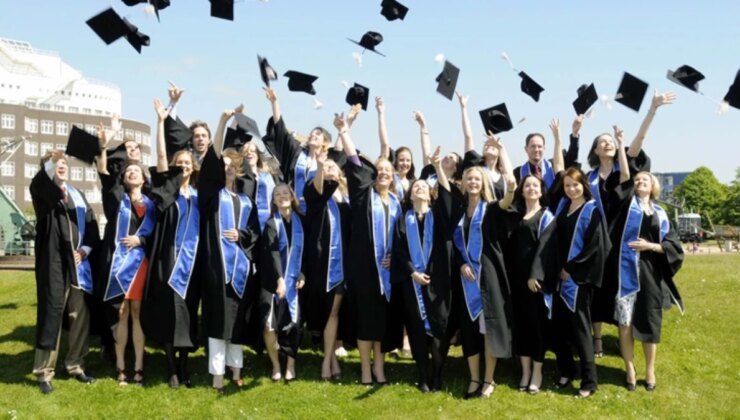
408	203
327	134
411	173
530	136
578	176
294	204
593	160
519	200
146	186
200	123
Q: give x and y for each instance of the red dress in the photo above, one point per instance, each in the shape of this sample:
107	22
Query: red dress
136	291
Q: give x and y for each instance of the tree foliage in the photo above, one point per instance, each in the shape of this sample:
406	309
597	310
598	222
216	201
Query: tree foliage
730	210
704	194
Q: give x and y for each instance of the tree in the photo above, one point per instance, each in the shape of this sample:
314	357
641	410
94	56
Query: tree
731	207
704	194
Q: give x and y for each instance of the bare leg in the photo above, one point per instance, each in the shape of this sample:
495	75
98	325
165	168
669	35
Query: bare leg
488	384
627	346
364	347
378	362
290	369
272	352
138	337
330	337
526	363
536	381
474	368
650	350
122	337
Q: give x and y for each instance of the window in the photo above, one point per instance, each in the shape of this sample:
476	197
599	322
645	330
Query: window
61	146
26	194
86	111
137	136
145	159
59	108
30	104
47	127
10	191
62	128
46	147
74	109
7	169
76	174
31	148
8	121
45	106
30	169
93	196
90	174
129	134
145	138
92	129
32	125
119	135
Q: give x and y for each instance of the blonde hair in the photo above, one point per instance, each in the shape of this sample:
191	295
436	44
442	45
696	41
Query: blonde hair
236	160
196	166
486	193
655	190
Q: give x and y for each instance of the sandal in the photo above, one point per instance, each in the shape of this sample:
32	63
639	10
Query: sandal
238	382
121	377
493	388
140	380
598	347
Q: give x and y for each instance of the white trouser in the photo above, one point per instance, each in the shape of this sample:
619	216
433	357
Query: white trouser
222	353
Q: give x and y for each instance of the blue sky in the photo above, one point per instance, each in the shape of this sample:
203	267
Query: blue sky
560	44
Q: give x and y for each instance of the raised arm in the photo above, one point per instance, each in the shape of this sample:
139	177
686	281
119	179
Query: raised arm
341	124
558	163
318	179
102	159
624	168
385	147
658	101
436	162
272	97
174	93
507	170
426	148
162	114
353	113
218	141
467	131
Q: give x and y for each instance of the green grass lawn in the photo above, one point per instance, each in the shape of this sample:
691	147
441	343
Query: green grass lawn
698	373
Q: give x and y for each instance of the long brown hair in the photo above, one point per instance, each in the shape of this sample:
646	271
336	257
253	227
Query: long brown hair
577	175
519	200
294	204
410	175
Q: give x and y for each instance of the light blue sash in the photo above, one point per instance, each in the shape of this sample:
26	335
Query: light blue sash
263	196
398	185
569	288
629	259
545	220
593	180
420	254
335	272
302	174
291	255
84	272
186	242
382	240
235	263
471	250
547	173
126	262
432	180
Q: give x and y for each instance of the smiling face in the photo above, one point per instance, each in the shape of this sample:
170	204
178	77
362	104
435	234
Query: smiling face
605	146
532	188
249	151
643	185
133	176
420	191
473	182
385	174
201	140
133	151
184	161
61	170
535	149
282	197
230	169
403	162
573	188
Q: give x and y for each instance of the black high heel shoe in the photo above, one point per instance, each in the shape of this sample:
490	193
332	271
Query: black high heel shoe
650	387
476	392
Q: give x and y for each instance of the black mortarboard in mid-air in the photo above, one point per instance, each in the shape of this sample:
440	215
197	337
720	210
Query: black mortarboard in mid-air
236	138
247	124
223	9
358	94
83	145
686	76
393	10
733	94
266	71
157	5
496	119
447	80
530	87
631	92
586	98
300	82
109	26
369	41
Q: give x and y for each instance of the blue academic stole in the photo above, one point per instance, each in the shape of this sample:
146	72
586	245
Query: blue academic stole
302	174
545	220
234	260
398	185
593	181
382	240
263	196
125	262
548	175
420	252
291	255
569	288
629	259
186	242
84	272
335	272
471	250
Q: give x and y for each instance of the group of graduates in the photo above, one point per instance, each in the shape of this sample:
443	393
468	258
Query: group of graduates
315	236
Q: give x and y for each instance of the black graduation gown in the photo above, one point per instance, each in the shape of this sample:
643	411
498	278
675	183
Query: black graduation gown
368	306
225	314
56	232
658	291
318	234
494	285
178	136
570	158
166	317
284	148
438	294
473	158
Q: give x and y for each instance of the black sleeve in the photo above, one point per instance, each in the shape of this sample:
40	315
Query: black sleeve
360	179
44	192
92	233
448	209
673	253
620	198
166	187
271	268
570	157
283	146
211	178
588	266
315	202
338	156
518	173
248	237
427	171
401	263
112	192
546	259
116	159
177	136
556	192
639	163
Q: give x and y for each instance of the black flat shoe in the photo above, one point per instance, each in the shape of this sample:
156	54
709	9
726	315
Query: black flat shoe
649	387
45	387
630	387
85	379
475	393
522	388
566	384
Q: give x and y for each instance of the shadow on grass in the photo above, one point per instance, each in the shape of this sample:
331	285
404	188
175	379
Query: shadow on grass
11	305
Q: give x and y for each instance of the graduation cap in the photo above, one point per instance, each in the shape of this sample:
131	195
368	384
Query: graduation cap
369	41
83	145
358	94
157	5
496	119
586	98
223	9
266	71
732	97
300	82
109	26
236	138
247	124
530	87
447	80
686	76
631	92
393	10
